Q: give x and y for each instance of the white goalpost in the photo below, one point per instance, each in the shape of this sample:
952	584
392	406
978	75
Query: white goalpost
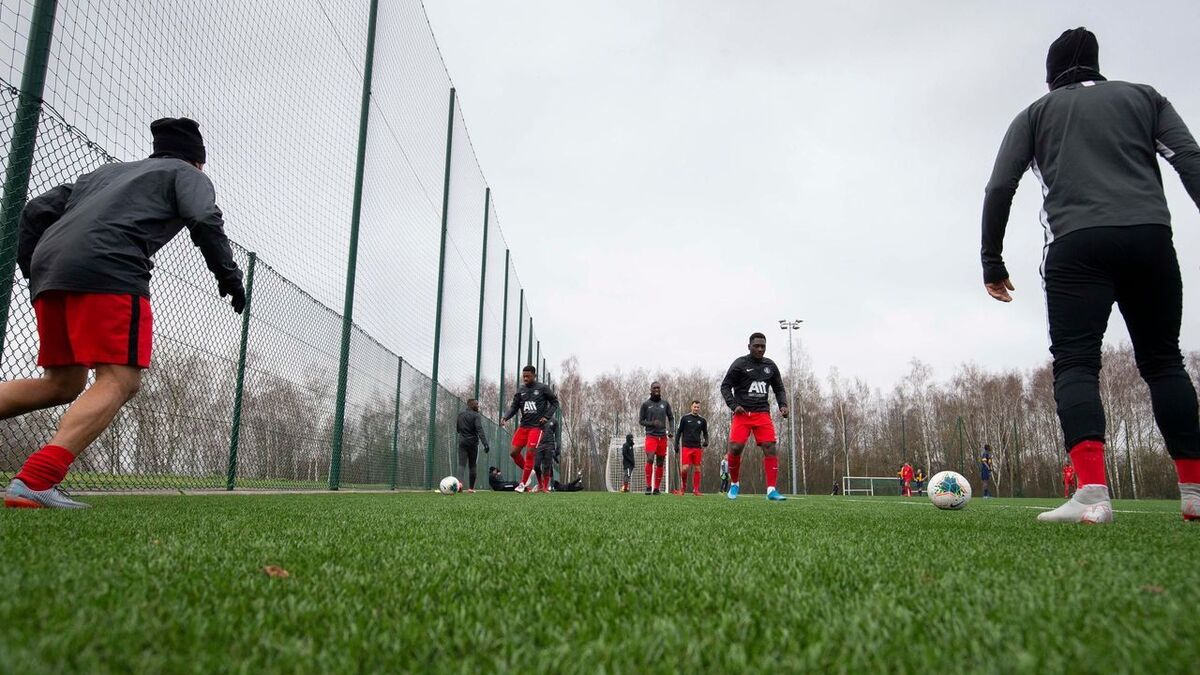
871	486
614	474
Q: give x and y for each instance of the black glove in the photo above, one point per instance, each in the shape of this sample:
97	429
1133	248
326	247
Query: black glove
236	292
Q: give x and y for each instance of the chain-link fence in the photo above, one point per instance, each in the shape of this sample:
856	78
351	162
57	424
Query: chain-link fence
252	401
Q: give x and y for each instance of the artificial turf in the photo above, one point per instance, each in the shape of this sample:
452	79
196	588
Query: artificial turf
592	583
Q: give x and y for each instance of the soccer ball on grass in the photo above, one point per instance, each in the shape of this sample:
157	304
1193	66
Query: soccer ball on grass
949	490
450	485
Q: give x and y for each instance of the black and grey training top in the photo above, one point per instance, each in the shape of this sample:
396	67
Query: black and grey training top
747	381
1092	145
533	402
656	417
693	431
98	234
470	428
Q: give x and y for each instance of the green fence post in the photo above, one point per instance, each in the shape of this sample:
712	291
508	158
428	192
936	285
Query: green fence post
21	147
503	348
520	332
339	413
487	203
235	434
529	355
396	424
441	287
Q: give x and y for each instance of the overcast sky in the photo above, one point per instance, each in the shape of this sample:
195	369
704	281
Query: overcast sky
672	176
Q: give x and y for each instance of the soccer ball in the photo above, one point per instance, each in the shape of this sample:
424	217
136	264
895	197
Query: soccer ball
949	490
450	485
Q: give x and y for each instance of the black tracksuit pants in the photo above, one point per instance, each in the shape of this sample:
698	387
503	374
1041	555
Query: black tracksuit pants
1085	272
468	455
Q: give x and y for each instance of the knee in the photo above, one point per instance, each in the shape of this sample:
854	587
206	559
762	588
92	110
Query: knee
66	391
736	448
659	460
768	449
125	381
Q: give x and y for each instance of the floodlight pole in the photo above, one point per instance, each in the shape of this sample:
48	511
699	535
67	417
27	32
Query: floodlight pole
791	327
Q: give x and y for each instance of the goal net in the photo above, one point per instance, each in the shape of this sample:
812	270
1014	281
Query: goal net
614	474
872	486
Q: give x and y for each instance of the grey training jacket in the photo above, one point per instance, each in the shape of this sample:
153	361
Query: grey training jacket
98	234
1093	147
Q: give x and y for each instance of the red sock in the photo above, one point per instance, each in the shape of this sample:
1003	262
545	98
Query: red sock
544	482
771	465
683	480
1188	470
1088	459
527	466
658	475
649	474
696	481
735	467
46	468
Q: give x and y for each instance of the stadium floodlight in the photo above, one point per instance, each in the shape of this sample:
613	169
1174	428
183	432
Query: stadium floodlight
790	327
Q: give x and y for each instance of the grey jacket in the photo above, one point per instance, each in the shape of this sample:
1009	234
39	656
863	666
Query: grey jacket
98	235
1092	146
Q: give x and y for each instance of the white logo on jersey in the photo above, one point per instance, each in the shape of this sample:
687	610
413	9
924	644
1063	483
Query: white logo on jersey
758	388
767	370
530	407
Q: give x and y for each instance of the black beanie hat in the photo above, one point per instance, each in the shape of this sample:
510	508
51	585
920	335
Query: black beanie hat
1074	50
179	138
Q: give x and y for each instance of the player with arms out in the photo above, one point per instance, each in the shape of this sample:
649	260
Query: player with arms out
656	417
536	403
745	392
86	249
1093	144
693	436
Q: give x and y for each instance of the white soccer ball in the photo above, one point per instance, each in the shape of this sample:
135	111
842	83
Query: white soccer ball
450	485
949	490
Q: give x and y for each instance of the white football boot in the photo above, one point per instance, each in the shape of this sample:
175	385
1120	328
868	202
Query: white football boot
1090	504
19	496
1189	497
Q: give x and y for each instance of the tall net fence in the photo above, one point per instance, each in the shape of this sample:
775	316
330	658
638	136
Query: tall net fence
251	401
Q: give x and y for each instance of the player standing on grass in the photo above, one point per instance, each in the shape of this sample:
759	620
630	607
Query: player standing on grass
745	391
985	470
628	461
656	417
546	450
693	436
86	250
906	476
536	403
1092	144
470	432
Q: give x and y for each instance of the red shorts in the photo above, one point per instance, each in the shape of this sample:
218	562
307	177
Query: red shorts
656	445
691	457
527	437
90	329
757	423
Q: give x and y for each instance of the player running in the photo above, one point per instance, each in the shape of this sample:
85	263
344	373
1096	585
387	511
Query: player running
628	461
536	403
86	249
658	420
470	432
693	436
745	391
1092	144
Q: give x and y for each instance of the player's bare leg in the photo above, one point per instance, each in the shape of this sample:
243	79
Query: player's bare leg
56	386
36	484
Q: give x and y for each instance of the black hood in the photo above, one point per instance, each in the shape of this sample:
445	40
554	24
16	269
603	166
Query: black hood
1073	57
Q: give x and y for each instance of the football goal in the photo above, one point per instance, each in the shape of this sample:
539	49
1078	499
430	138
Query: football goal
872	486
614	474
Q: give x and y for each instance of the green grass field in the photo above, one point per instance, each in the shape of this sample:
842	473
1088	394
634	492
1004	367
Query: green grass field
592	583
